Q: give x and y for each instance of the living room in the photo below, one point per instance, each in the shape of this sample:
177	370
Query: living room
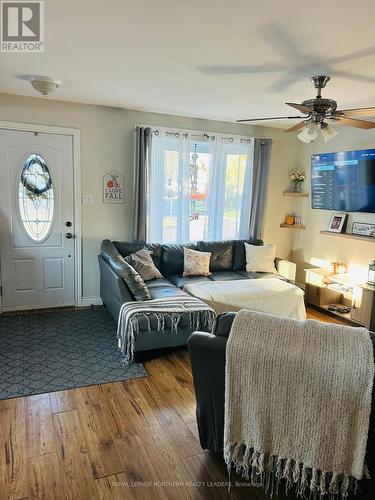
155	139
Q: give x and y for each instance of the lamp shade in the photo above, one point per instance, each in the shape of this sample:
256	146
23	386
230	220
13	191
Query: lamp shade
309	133
328	132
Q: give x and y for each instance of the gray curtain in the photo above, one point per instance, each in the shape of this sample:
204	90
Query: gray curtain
142	155
262	158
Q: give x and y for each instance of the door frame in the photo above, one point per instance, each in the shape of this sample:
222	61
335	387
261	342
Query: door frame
75	133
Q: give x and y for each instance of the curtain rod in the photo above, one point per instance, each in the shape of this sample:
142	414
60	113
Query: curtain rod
177	134
199	136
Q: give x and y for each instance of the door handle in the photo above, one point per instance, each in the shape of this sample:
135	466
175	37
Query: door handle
69	236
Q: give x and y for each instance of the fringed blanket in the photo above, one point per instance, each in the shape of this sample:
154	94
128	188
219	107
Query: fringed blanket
297	403
169	310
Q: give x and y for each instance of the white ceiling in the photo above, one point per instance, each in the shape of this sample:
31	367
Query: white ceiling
161	55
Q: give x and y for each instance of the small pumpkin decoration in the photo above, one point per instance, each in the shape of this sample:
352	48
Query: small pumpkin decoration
290	220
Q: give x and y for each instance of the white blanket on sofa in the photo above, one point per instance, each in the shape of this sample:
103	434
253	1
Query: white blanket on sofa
270	295
297	403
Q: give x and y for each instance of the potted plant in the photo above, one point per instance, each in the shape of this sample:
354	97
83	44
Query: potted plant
297	177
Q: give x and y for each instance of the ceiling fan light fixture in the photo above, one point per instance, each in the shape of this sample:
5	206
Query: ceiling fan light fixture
328	132
309	133
320	109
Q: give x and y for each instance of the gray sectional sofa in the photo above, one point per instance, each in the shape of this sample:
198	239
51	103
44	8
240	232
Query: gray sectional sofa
228	262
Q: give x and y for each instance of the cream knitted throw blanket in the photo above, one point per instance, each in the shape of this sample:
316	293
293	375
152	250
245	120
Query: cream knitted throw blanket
297	403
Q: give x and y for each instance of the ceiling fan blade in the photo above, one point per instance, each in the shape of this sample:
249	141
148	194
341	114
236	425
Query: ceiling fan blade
275	34
369	51
358	112
297	126
353	76
239	70
271	118
300	107
281	83
352	122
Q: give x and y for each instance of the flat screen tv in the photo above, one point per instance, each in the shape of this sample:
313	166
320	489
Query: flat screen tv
344	181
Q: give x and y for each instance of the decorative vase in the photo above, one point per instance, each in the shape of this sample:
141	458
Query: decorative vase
297	186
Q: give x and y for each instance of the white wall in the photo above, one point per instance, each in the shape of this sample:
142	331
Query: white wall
309	245
107	144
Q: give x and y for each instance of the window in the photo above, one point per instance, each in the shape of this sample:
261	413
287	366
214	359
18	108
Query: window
35	198
199	187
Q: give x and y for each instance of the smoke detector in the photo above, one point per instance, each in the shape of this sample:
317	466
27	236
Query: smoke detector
44	85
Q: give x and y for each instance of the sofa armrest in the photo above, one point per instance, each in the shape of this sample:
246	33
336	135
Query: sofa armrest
207	355
113	290
286	268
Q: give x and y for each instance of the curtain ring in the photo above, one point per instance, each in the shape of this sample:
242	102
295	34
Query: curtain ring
156	132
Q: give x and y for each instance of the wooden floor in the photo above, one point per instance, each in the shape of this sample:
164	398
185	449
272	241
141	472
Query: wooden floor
131	440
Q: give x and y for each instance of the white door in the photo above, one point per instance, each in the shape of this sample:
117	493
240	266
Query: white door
36	220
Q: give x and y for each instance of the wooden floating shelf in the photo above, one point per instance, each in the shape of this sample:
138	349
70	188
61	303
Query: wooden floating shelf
295	195
293	226
348	235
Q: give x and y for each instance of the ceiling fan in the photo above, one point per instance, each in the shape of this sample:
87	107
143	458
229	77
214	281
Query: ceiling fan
319	112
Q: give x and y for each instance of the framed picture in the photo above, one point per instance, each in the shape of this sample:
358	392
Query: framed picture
363	229
337	223
113	188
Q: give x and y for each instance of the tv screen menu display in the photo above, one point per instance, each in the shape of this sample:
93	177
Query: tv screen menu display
344	181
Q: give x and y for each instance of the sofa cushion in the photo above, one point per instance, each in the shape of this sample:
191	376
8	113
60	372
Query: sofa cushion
221	254
160	292
226	276
157	283
252	275
224	324
132	279
172	258
239	255
126	249
181	281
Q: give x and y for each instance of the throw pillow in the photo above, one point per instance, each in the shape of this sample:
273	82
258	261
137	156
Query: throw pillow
142	262
196	263
260	259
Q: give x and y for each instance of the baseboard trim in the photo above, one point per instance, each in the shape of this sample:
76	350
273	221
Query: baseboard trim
90	301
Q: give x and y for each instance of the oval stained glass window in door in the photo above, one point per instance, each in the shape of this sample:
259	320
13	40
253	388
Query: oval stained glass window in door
36	198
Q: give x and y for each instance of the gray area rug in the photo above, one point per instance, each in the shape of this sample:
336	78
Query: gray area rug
51	351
